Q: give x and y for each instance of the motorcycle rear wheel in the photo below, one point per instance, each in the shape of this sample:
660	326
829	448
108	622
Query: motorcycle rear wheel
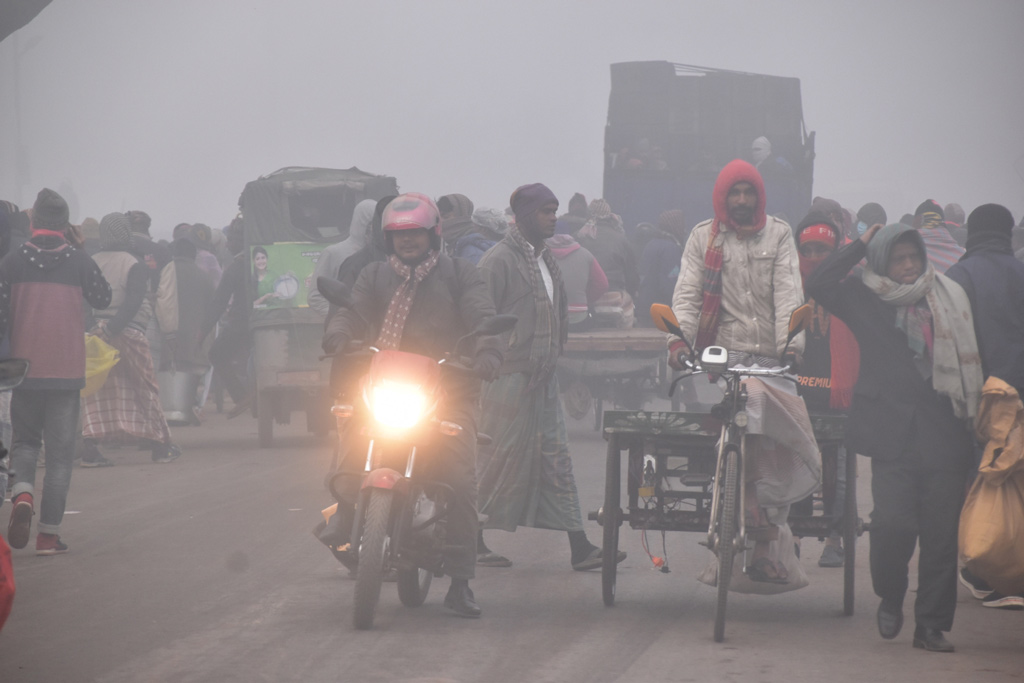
372	547
413	585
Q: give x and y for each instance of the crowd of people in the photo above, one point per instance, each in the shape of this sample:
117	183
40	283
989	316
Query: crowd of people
910	319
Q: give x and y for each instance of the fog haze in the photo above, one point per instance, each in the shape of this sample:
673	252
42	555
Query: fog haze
171	107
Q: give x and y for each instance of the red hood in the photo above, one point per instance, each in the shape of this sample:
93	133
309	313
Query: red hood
734	172
562	245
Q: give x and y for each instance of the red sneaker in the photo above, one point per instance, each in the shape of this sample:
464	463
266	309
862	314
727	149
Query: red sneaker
21	521
50	544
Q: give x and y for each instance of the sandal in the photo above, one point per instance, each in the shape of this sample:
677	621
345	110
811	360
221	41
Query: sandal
492	559
764	570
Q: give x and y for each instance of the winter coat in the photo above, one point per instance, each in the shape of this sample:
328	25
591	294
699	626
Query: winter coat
761	287
42	286
183	299
659	268
994	282
895	411
613	252
450	302
505	269
582	276
472	246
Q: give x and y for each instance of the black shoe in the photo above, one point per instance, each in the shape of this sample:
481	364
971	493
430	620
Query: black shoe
931	639
890	619
460	600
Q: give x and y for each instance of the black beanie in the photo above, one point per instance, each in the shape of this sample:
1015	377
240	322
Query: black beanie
991	219
872	213
50	212
929	206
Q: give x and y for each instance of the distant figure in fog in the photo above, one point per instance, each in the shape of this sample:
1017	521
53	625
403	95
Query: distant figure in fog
943	251
489	228
456	219
867	215
659	264
202	236
334	255
127	407
585	281
570	222
605	238
184	295
154	255
955	223
229	353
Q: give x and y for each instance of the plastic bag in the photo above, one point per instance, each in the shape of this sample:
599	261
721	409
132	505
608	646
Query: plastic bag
992	520
100	357
781	552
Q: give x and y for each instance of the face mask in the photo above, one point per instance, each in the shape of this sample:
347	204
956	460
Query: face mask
861	227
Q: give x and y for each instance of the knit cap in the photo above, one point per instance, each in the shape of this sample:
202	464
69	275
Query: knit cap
50	212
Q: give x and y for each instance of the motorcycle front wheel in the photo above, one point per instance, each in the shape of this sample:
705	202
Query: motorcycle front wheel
413	585
372	547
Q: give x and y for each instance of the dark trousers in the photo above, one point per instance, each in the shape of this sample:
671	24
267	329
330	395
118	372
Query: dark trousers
50	415
915	504
229	355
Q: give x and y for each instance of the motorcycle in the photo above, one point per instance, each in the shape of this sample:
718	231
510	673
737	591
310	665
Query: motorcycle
399	523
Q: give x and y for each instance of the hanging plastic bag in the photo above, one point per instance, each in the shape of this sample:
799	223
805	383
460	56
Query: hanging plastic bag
100	357
992	521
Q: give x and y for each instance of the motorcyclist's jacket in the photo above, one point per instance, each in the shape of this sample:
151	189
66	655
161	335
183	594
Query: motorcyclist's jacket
450	302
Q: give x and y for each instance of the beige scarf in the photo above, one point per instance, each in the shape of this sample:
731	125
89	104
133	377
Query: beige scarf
956	363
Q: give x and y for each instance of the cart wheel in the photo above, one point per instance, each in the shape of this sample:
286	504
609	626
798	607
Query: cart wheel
610	549
265	418
727	523
598	413
849	532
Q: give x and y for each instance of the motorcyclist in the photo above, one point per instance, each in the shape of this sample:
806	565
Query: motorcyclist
422	301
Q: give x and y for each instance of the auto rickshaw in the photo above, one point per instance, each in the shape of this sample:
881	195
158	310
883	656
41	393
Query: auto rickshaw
290	215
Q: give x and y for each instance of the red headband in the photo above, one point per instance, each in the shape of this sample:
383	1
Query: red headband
818	233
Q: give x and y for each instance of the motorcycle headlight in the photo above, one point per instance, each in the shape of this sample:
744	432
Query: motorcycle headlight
396	405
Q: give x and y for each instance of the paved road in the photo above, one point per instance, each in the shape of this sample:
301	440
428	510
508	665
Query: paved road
205	570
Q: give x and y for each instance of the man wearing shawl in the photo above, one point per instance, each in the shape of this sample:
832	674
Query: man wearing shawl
987	272
526	475
829	368
456	219
918	390
943	251
422	301
333	256
739	281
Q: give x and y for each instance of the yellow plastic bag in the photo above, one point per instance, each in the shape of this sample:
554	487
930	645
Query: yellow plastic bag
992	521
100	357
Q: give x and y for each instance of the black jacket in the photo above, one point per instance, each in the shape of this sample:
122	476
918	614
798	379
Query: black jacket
895	411
450	302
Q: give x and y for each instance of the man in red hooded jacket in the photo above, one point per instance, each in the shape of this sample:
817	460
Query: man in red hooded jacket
739	281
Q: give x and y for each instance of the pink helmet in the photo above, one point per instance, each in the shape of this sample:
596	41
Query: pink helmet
411	211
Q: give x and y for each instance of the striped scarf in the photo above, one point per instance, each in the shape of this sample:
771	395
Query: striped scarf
712	288
545	347
401	302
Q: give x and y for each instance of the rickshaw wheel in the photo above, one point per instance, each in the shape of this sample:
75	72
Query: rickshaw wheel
725	546
849	532
610	524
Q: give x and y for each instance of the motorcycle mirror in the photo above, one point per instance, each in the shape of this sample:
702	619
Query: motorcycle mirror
799	321
12	372
334	291
497	324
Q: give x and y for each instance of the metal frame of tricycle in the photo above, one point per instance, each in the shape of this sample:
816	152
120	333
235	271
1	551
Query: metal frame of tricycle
693	437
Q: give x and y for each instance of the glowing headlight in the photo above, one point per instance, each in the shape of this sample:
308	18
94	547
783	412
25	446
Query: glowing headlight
399	406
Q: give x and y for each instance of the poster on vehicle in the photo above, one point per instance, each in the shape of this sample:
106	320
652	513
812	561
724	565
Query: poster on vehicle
283	273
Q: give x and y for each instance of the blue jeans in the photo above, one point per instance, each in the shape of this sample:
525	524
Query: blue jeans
39	414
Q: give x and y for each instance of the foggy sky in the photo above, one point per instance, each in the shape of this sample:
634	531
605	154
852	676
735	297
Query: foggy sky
171	107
